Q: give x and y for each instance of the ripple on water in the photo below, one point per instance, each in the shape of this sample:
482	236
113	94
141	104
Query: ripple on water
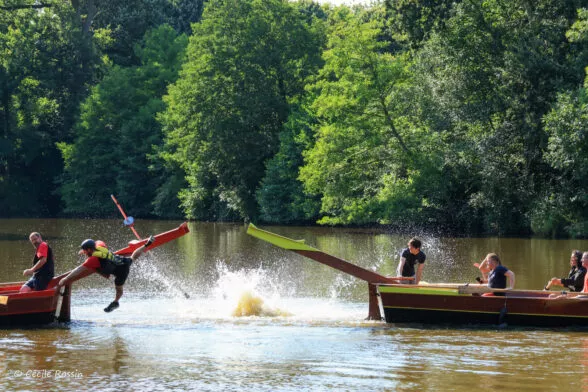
167	342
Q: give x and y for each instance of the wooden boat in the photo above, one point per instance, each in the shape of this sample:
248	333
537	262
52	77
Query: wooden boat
35	307
463	304
46	306
447	303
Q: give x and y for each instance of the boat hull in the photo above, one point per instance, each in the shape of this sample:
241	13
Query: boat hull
415	304
31	319
35	307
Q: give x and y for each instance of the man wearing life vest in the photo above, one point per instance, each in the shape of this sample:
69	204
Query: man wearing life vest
43	267
104	262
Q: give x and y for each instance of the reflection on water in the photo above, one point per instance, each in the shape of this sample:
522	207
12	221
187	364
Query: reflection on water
188	344
313	338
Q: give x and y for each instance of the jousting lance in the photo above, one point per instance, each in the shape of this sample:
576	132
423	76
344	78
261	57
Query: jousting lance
129	220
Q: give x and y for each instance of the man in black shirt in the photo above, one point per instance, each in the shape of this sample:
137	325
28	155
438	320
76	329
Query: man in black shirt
410	257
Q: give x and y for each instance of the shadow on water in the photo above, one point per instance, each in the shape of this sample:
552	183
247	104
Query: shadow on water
484	327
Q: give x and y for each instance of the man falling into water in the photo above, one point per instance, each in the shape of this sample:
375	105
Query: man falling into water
100	260
409	258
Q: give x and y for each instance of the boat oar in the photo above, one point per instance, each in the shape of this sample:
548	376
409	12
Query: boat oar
3	299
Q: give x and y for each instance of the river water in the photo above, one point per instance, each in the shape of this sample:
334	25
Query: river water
303	327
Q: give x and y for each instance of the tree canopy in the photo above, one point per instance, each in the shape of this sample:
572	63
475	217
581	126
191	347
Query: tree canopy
246	60
462	116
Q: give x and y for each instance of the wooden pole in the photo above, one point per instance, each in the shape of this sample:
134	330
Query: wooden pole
374	306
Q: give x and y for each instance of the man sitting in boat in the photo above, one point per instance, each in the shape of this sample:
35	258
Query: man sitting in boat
575	279
495	274
104	262
43	266
409	258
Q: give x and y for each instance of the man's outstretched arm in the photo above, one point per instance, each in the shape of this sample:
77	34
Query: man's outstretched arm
76	274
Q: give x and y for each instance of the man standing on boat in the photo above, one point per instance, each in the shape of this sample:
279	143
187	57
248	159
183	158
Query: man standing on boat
43	267
410	257
105	263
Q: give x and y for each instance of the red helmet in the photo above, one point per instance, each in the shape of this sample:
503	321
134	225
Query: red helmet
101	243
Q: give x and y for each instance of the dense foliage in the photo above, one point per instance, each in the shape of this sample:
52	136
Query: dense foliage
246	61
464	116
117	130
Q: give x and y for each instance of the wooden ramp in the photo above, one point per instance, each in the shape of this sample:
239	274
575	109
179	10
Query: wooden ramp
300	247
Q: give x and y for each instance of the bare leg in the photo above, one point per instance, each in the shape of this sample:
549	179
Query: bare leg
139	251
119	293
114	304
25	289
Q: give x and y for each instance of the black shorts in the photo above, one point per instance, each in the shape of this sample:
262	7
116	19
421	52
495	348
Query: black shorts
121	272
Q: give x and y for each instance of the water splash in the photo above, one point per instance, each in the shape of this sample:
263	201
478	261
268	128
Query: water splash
441	262
224	295
251	305
441	254
248	292
342	286
158	281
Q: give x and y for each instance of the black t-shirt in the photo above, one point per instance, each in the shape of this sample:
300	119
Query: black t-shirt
47	271
497	278
411	260
575	279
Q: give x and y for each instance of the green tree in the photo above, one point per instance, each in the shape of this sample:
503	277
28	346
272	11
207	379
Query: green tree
412	21
186	12
562	209
246	60
365	146
487	79
281	194
118	129
124	22
128	21
41	81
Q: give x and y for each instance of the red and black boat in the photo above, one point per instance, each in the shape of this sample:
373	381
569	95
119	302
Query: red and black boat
47	306
464	304
447	303
35	307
